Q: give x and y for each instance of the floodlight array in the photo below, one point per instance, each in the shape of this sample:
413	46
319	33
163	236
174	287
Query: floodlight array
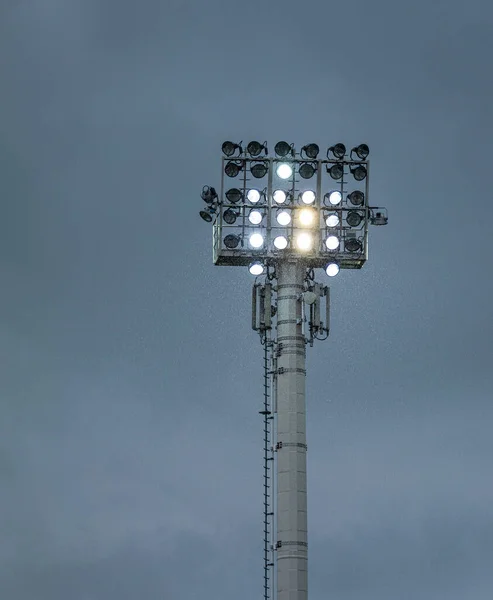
291	204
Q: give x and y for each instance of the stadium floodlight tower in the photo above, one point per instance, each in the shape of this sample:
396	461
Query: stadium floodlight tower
284	216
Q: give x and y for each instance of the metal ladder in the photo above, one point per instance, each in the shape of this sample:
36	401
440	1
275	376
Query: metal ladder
268	460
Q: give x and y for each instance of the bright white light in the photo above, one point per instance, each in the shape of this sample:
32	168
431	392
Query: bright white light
280	242
284	171
335	198
284	218
308	197
255	217
256	268
332	220
306	216
304	241
253	196
332	269
256	240
279	196
332	242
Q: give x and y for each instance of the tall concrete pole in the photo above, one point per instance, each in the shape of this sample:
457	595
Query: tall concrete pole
292	548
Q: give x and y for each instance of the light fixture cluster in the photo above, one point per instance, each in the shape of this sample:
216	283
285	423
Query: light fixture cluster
291	204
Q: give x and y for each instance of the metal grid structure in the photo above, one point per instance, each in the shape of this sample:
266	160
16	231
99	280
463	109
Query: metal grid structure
325	217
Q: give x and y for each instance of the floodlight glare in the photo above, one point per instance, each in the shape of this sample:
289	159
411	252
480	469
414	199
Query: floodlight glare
353	218
234	195
311	150
307	170
208	194
306	217
254	148
356	198
336	171
359	173
255	217
256	240
353	245
229	148
232	169
361	151
284	171
283	218
282	149
304	241
308	197
253	196
332	269
332	242
334	197
231	241
256	268
279	197
206	215
229	216
280	242
339	150
332	220
258	170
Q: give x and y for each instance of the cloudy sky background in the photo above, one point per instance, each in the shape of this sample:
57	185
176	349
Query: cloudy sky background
130	444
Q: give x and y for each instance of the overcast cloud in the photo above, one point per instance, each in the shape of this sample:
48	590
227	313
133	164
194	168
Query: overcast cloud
130	444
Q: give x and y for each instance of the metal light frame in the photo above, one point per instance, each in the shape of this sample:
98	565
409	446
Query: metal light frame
322	183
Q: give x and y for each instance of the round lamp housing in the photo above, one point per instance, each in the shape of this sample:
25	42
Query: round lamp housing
231	241
284	171
282	149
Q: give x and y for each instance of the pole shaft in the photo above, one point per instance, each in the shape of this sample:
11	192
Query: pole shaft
292	548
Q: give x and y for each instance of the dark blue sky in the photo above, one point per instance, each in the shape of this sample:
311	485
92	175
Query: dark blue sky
130	444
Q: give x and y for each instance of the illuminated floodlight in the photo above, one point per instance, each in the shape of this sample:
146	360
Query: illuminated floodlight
307	170
256	268
232	168
255	217
253	196
208	194
282	149
359	173
255	148
361	151
304	241
283	218
308	197
281	242
234	195
353	245
332	220
206	215
356	198
332	269
259	170
229	216
284	171
334	197
332	242
231	241
311	150
336	171
229	148
256	240
353	218
338	151
279	196
306	217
